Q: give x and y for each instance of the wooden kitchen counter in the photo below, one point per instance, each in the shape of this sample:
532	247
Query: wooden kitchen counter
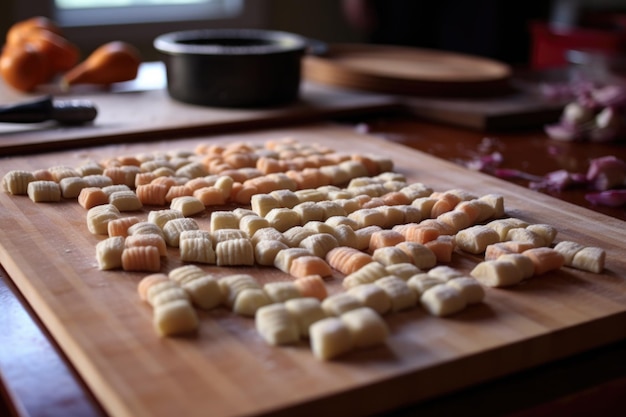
38	381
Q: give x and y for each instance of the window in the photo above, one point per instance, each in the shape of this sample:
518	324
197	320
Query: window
90	23
95	12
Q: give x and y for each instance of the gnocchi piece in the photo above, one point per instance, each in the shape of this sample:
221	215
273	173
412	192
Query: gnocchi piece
72	186
303	266
234	252
173	228
495	250
98	218
160	217
227	234
141	258
283	218
345	236
402	297
347	260
545	259
174	318
266	250
590	258
90	197
384	238
161	292
109	253
318	227
151	239
267	233
443	300
496	204
309	211
296	234
41	191
281	291
419	283
547	232
390	255
262	204
252	223
502	226
339	303
523	263
187	205
319	244
312	286
16	182
125	201
456	219
284	258
568	249
144	228
364	236
372	296
305	311
445	273
419	255
330	337
334	221
425	205
202	288
232	285
119	226
366	326
475	239
152	194
147	282
249	301
469	288
367	217
276	325
286	198
365	275
404	270
223	220
525	236
497	273
197	249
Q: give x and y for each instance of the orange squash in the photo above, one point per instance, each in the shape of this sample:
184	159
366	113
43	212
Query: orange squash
24	28
23	67
110	63
61	54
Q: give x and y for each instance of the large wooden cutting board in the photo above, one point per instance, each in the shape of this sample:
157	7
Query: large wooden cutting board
143	110
227	370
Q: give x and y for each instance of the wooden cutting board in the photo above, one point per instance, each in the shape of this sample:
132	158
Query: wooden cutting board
145	112
407	71
105	331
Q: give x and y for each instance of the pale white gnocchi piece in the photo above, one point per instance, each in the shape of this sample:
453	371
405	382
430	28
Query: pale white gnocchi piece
366	326
305	311
187	205
330	337
42	191
234	252
402	297
281	291
276	325
109	253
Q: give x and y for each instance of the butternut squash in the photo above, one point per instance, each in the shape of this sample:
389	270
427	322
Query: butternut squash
110	63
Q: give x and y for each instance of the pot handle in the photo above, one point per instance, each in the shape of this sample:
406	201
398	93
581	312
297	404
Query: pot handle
316	47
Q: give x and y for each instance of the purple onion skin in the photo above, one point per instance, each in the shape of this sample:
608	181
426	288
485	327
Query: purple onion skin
611	198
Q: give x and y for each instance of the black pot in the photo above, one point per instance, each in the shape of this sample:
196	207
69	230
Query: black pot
233	67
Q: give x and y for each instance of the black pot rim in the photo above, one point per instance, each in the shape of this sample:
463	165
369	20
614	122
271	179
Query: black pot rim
269	42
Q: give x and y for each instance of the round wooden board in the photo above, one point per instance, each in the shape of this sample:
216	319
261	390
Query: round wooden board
407	71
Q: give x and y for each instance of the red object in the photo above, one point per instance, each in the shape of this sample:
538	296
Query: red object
600	32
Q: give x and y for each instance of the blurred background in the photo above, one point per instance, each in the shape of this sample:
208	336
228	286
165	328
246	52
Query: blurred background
520	32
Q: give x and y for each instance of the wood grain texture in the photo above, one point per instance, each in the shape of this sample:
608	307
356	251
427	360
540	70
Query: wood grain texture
150	114
227	370
407	71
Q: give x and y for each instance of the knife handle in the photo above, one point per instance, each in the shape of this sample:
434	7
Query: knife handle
62	111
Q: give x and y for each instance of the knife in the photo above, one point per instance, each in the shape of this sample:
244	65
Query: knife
65	112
